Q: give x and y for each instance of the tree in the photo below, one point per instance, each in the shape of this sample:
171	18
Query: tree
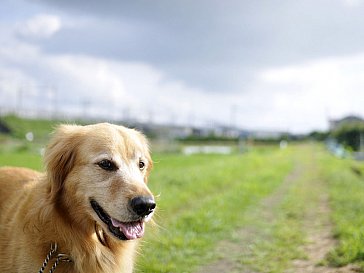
349	134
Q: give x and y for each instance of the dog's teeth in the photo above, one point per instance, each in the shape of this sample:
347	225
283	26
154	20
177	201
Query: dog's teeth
115	223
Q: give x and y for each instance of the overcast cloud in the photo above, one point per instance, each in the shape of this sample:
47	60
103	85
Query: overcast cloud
276	65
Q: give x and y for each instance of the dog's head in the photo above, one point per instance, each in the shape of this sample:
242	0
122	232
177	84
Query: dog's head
98	173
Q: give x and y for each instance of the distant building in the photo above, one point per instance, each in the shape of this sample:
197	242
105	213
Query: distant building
336	123
261	135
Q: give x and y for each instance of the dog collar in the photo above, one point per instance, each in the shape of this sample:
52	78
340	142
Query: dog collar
59	258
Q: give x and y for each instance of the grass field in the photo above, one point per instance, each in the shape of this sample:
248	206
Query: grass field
202	199
346	187
206	200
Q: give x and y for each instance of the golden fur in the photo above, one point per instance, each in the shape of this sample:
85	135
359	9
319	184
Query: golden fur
39	209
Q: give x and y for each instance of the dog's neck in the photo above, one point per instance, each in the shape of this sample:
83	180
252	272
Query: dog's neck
78	239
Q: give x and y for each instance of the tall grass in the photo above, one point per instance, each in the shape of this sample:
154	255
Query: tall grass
347	203
279	240
202	199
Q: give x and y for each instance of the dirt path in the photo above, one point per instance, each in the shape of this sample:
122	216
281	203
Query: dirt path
320	242
245	238
316	223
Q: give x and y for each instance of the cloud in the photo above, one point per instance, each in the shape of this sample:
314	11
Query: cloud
41	26
78	84
352	3
212	45
255	65
295	97
311	92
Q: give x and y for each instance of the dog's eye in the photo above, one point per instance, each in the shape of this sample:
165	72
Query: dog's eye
107	165
141	165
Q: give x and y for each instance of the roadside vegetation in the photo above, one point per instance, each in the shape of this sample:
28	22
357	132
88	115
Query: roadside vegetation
346	186
202	200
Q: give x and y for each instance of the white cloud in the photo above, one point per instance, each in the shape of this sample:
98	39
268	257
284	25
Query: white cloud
352	3
102	87
40	26
297	97
309	93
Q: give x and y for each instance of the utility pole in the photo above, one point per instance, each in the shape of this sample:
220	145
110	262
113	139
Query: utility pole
85	108
54	101
233	112
19	103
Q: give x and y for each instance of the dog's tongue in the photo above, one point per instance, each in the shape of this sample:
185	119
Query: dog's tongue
131	230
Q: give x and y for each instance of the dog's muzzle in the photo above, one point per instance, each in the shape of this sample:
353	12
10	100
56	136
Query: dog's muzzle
141	206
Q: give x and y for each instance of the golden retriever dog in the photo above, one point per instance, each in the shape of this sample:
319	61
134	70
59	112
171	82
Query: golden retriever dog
86	212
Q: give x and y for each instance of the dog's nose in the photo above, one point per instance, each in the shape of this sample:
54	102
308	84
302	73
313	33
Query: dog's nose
142	205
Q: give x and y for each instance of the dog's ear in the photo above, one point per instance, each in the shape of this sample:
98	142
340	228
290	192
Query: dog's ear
60	155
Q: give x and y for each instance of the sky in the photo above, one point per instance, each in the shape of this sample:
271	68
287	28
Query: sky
276	65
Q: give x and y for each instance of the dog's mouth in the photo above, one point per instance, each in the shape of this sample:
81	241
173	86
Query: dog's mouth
121	230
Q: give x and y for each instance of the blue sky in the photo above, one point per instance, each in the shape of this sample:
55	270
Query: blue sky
274	65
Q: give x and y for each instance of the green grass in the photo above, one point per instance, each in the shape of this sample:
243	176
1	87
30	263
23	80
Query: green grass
347	202
278	238
204	199
40	128
323	174
21	159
